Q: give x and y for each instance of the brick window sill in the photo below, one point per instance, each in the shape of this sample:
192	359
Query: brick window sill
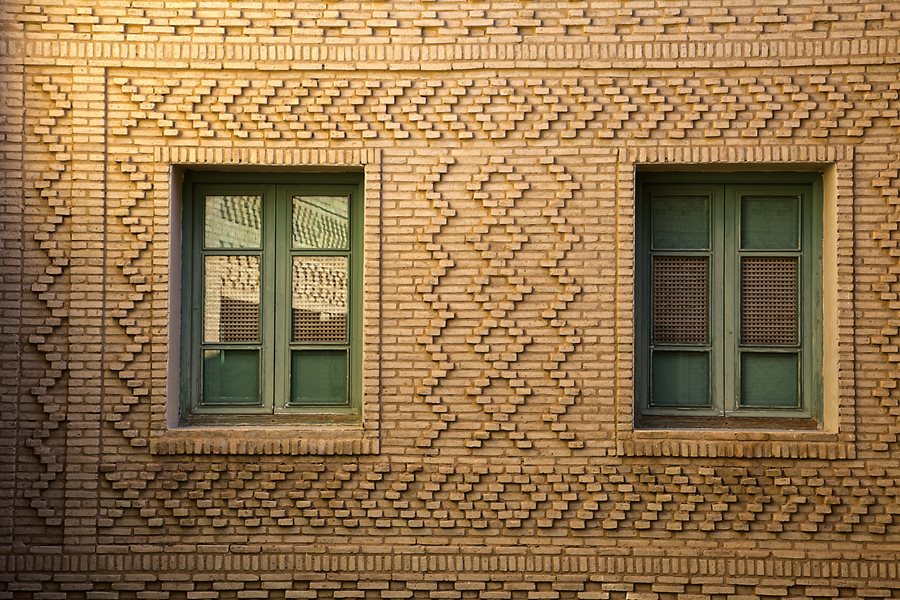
712	443
292	440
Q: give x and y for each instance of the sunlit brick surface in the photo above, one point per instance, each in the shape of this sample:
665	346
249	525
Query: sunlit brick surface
496	457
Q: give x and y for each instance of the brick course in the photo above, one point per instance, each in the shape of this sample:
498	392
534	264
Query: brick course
497	456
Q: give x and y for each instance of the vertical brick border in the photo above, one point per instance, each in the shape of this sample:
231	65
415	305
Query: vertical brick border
318	439
744	444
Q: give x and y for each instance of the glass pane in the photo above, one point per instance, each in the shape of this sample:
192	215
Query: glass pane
319	377
321	222
680	300
680	222
770	380
679	379
770	223
230	377
769	301
230	298
232	222
319	299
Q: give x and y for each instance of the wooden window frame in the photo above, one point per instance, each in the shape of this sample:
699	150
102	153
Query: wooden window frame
276	255
724	309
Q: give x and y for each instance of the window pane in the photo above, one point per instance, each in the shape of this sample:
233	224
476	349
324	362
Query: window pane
770	223
319	377
321	222
319	299
680	222
232	222
679	379
680	299
769	380
230	377
231	299
769	300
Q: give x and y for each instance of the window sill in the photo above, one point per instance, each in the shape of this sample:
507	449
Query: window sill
249	440
735	443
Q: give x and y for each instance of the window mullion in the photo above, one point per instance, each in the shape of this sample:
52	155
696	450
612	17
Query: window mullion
727	297
280	299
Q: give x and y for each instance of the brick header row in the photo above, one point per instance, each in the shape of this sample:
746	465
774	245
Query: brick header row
359	56
418	561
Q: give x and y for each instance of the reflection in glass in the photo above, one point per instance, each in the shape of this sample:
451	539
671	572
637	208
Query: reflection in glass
319	377
230	299
319	306
320	222
232	222
230	377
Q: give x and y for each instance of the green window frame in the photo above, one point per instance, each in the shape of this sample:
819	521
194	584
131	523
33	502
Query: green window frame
729	300
271	298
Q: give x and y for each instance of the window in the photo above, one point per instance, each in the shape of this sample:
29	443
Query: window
271	321
729	300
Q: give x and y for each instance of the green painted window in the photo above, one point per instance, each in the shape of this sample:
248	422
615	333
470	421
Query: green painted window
272	298
728	300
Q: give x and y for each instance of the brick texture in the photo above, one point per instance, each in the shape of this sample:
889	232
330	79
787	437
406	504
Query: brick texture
497	456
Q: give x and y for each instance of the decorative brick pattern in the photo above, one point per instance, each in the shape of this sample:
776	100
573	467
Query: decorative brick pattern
11	269
497	455
45	282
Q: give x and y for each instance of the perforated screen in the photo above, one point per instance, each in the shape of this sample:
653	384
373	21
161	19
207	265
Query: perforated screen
769	300
680	300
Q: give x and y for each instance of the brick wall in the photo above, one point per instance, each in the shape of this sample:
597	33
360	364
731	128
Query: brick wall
499	142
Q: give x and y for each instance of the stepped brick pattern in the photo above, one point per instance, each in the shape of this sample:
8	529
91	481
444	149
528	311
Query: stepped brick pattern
496	456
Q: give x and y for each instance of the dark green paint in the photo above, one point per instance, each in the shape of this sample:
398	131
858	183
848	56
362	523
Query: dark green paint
319	377
680	379
770	380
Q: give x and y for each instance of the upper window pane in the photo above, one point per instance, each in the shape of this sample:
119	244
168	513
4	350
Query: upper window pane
321	222
680	222
232	222
770	223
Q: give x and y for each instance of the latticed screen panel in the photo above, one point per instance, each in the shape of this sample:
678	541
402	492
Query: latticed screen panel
231	299
769	294
319	299
680	300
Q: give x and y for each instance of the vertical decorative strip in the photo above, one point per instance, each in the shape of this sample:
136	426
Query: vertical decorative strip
11	212
47	243
85	320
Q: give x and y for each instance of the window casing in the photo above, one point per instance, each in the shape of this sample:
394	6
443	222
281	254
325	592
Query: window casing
728	299
272	298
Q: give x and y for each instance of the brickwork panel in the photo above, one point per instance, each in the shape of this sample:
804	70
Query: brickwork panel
497	456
